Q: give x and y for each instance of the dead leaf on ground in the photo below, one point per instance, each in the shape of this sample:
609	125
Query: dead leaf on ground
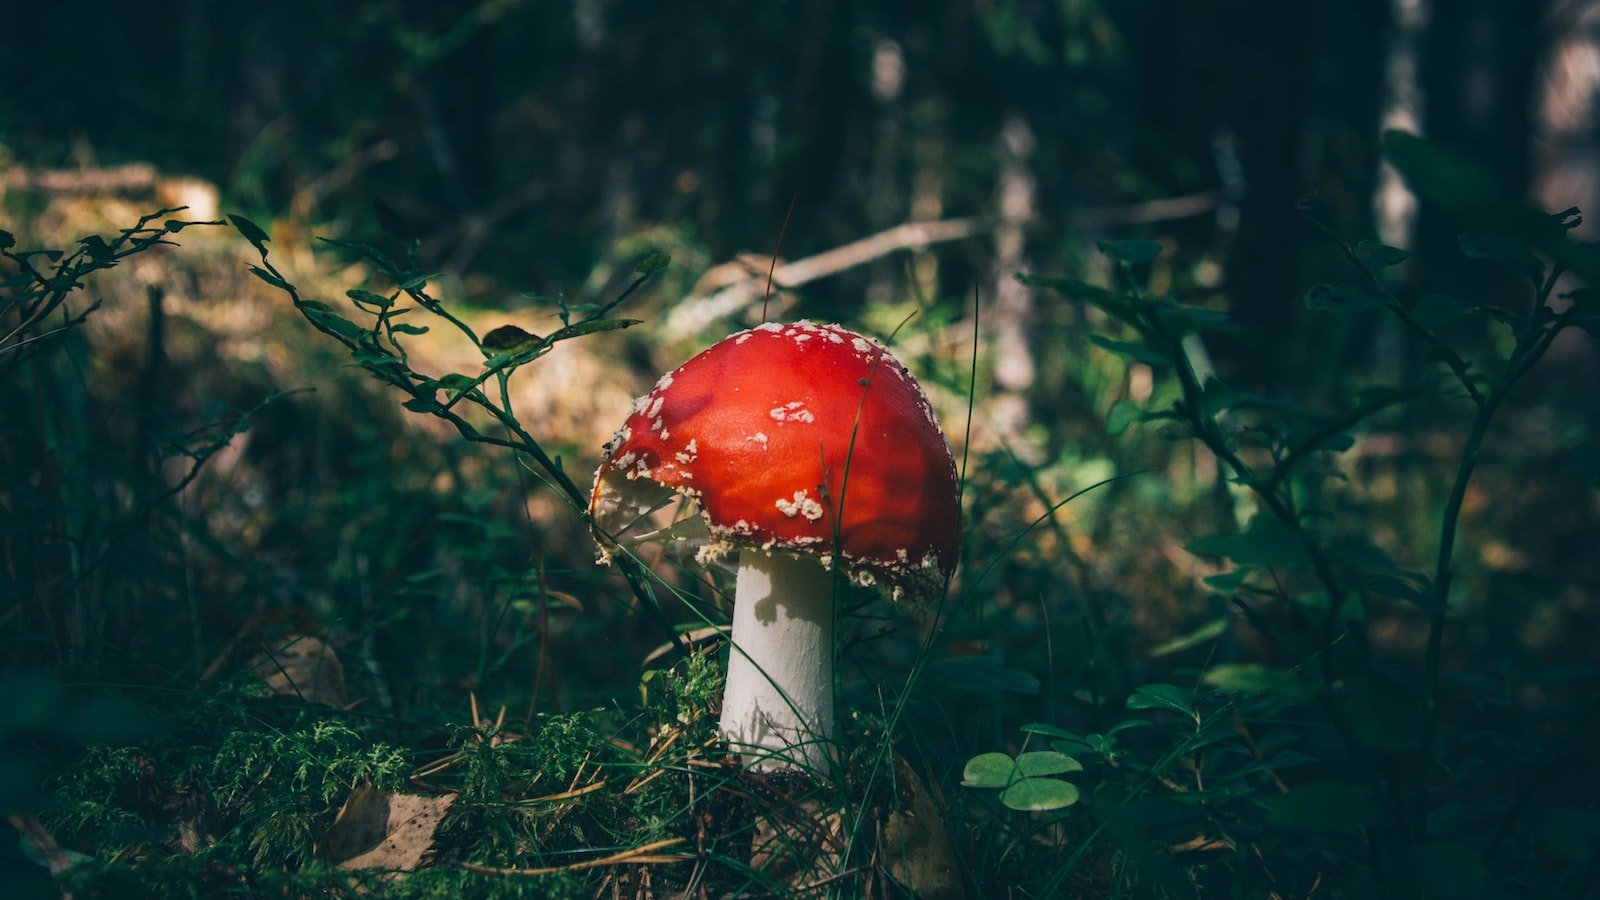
362	822
303	667
916	844
379	830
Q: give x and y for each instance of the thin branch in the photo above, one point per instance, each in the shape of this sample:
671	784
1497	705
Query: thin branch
695	313
1531	346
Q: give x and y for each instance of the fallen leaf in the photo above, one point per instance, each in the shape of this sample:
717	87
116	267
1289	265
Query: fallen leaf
916	843
361	824
303	667
401	828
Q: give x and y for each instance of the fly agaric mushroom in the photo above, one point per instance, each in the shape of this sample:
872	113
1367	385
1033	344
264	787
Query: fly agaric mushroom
799	447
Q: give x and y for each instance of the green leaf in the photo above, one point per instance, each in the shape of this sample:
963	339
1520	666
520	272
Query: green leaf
1131	350
1162	696
1046	762
1120	416
981	675
1213	795
365	251
1323	808
989	770
252	232
568	310
1511	252
1316	602
1357	551
591	327
1048	730
1453	181
418	281
1398	587
337	324
1101	744
653	263
456	382
1378	255
1260	678
7	240
1133	251
422	405
1182	319
1228	582
1152	811
368	298
1039	795
97	247
1096	296
1204	634
270	278
1434	311
1071	289
1126	725
404	328
376	359
1265	543
518	355
1286	759
1341	298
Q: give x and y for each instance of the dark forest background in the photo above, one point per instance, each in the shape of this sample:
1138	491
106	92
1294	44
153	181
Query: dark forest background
525	141
192	477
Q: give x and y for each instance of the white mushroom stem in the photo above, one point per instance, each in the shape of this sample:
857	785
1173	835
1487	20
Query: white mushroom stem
777	707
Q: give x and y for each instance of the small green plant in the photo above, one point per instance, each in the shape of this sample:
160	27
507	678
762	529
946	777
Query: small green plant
282	784
1024	781
388	317
34	296
1329	747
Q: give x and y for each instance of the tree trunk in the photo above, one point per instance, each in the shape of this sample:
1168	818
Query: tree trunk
1012	310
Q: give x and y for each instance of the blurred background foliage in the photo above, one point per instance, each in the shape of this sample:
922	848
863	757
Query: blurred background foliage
532	152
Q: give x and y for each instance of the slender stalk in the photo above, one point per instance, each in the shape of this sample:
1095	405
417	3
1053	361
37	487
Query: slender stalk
1532	343
777	706
1206	431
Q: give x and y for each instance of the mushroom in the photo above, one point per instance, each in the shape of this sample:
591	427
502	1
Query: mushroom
790	449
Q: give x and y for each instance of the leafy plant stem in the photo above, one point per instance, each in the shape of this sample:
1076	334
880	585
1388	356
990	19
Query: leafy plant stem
1453	360
392	369
1531	345
1206	430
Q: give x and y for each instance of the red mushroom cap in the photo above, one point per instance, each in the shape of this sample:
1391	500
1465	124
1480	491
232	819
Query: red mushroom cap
757	432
